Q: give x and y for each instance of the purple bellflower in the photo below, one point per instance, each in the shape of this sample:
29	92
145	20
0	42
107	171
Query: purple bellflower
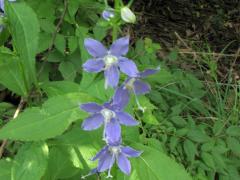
110	61
110	115
112	152
137	86
108	14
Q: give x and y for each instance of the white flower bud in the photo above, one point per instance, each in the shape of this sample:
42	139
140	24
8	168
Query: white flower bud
127	15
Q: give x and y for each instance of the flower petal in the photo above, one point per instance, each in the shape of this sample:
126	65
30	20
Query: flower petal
128	67
100	153
93	122
112	76
120	98
141	87
105	162
113	131
93	65
95	48
91	107
130	152
126	119
120	46
124	164
148	72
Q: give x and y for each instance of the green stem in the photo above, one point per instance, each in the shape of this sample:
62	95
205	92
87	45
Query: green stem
115	25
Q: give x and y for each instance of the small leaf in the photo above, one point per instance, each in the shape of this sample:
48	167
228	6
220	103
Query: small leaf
208	160
68	70
233	131
190	150
198	136
60	43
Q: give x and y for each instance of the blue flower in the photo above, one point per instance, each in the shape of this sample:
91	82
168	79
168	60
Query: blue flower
115	152
107	14
136	85
110	61
110	115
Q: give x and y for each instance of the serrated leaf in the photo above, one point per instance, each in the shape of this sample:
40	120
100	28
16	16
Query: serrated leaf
25	30
30	162
233	144
52	119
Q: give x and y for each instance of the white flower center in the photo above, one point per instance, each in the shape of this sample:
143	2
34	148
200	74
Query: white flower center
107	114
114	149
129	84
109	60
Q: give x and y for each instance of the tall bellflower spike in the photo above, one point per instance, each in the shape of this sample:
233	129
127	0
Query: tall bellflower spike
110	115
110	61
115	152
137	86
107	14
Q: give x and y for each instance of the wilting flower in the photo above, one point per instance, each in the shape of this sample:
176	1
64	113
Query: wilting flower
110	61
110	115
2	3
127	15
107	14
112	152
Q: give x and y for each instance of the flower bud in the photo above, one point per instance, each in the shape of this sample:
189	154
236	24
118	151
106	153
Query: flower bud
108	14
127	15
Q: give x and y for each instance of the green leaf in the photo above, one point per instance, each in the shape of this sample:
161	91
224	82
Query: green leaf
68	70
208	160
5	169
154	165
52	119
190	150
198	136
30	162
55	88
72	44
60	43
233	144
60	163
25	30
11	75
233	131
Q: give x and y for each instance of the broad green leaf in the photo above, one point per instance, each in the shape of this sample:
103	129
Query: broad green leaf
52	119
11	75
233	131
30	162
25	30
5	169
154	165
